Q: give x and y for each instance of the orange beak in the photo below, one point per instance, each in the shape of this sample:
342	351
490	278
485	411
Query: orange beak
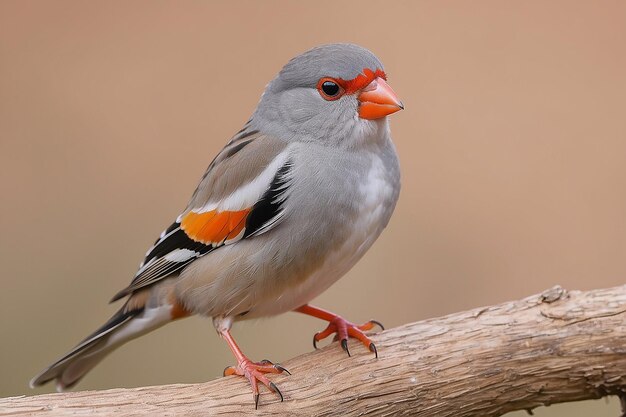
378	100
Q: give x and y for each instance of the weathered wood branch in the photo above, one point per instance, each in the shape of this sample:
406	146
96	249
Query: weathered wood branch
554	347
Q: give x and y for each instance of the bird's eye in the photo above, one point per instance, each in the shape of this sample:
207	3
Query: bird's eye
329	89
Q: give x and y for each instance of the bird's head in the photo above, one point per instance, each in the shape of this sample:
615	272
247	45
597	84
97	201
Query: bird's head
327	94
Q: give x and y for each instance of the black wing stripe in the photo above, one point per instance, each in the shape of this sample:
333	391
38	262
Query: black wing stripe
269	208
175	240
156	266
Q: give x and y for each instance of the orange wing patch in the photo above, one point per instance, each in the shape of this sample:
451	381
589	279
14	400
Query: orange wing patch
213	227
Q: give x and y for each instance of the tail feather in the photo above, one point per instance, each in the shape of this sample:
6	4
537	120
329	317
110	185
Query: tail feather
122	327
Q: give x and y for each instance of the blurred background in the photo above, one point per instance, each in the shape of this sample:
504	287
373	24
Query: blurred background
512	144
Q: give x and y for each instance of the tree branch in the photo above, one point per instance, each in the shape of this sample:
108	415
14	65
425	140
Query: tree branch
554	347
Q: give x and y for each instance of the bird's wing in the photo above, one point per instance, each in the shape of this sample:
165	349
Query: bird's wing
240	195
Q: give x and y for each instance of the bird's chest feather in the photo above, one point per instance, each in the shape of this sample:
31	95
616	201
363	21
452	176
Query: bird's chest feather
351	227
374	201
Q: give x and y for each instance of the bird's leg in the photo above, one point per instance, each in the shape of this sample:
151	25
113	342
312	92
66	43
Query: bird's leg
253	371
342	328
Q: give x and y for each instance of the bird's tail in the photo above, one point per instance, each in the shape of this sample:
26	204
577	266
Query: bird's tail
125	325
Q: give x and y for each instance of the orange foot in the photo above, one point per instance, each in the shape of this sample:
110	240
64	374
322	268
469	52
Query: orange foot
342	328
253	371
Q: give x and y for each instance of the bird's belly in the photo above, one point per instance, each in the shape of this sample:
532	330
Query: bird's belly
377	195
334	267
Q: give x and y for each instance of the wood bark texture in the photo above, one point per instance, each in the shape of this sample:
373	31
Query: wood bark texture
553	347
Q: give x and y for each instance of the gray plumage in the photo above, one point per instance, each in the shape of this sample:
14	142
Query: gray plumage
342	183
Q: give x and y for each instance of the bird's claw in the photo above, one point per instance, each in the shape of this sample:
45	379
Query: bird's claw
344	330
277	366
372	323
344	346
254	372
373	349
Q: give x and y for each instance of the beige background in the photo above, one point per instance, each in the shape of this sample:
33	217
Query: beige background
513	151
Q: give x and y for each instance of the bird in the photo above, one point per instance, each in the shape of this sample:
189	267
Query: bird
283	211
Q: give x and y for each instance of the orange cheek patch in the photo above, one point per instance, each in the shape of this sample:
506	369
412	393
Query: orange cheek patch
214	227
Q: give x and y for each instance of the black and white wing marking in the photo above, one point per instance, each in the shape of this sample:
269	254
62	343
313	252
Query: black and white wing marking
199	232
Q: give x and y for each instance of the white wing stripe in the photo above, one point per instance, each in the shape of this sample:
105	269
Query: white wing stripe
181	255
247	195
